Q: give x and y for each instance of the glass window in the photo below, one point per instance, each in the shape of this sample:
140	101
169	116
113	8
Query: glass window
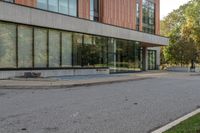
66	49
42	4
148	17
63	6
94	10
94	51
152	59
25	41
54	48
91	9
88	51
7	45
77	49
101	44
9	0
53	5
138	15
68	7
127	56
40	48
73	7
112	53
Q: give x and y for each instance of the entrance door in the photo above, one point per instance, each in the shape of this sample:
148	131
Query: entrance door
152	60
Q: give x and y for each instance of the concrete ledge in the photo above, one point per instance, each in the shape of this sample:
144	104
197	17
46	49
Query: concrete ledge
182	69
57	84
176	122
178	69
51	73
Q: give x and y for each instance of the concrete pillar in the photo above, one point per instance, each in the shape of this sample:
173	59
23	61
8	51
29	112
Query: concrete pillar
144	59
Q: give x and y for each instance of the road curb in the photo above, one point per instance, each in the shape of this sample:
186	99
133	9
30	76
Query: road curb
176	122
72	85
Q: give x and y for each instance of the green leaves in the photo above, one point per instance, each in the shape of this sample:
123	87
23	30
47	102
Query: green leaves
182	26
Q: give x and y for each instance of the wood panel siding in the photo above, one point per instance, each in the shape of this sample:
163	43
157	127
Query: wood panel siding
141	16
84	9
31	3
119	12
157	23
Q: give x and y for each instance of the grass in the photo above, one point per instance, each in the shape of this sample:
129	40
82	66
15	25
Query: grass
192	125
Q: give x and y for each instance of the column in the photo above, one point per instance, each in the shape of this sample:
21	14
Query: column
144	59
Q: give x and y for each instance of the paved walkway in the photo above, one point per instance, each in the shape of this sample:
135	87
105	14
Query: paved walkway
126	107
72	81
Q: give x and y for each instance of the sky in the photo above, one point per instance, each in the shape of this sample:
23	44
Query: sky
167	6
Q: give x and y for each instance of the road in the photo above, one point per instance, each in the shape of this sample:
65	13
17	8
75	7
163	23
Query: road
128	107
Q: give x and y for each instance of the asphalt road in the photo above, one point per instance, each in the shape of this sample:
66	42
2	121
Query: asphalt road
129	107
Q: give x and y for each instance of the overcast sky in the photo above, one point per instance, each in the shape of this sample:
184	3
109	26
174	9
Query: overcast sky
167	6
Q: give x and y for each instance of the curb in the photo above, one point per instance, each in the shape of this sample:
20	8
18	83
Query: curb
176	122
72	85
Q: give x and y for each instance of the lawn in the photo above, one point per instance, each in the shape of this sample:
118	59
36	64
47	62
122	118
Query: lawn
192	125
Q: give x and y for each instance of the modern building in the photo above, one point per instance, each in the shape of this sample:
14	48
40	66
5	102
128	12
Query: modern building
77	37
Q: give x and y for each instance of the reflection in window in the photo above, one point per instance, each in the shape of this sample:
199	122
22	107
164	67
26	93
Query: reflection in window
7	45
68	7
148	16
151	59
94	10
73	7
101	51
42	4
40	48
127	56
9	1
94	51
25	40
43	48
53	5
54	48
77	49
63	6
112	53
66	49
138	15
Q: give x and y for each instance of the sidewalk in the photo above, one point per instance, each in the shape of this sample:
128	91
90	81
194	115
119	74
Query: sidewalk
73	81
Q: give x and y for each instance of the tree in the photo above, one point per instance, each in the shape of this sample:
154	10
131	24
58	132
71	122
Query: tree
191	29
182	26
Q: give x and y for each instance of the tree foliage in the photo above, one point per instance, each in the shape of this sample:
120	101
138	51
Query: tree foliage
182	26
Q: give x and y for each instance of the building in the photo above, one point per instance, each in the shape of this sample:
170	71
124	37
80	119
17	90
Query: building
73	37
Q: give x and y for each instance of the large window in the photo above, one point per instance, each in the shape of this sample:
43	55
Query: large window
66	49
73	7
63	6
148	16
42	4
53	5
94	10
9	0
77	49
32	47
54	48
127	55
25	44
40	48
138	15
68	7
7	45
112	53
94	51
